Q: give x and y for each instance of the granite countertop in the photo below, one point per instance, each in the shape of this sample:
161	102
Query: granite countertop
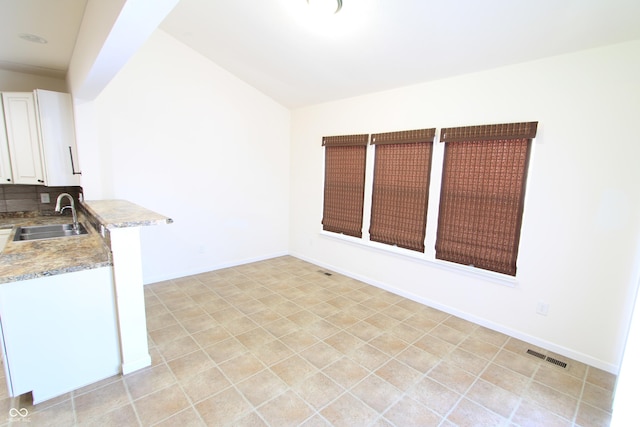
24	260
121	213
38	258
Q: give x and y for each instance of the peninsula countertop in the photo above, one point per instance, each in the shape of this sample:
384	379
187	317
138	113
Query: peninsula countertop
121	213
24	260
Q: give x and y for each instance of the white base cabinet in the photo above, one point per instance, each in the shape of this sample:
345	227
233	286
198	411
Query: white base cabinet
59	333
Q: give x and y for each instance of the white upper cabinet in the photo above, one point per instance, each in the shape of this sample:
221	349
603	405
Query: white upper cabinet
58	135
5	163
40	139
23	138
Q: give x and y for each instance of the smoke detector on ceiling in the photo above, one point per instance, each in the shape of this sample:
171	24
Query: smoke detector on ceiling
33	38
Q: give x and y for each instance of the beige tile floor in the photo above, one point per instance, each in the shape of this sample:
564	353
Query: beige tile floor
280	343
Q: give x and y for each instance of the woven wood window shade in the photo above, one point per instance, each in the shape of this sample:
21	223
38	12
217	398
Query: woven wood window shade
401	188
482	194
345	159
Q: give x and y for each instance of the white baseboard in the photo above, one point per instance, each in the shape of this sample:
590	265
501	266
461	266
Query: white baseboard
127	368
148	279
564	351
567	352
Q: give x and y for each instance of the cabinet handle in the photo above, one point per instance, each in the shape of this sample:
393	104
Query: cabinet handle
73	168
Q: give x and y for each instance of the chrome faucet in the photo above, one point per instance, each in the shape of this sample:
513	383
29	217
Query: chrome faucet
72	206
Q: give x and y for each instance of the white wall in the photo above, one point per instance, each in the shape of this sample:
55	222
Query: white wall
625	405
111	32
582	213
176	134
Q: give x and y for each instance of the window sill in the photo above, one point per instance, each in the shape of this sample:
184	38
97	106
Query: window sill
490	276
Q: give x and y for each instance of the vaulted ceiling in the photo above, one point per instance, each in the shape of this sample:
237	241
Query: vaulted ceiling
280	48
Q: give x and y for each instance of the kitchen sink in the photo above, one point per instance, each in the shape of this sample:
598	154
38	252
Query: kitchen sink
38	232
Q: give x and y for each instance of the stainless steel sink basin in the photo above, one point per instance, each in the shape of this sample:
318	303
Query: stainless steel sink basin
38	232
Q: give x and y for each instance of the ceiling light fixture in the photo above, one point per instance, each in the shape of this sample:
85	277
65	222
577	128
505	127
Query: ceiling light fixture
320	18
327	6
33	38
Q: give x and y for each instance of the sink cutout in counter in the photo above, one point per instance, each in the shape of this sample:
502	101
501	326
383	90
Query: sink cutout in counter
40	232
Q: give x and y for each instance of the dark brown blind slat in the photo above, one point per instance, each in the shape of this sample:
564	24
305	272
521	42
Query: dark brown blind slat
401	137
525	130
481	203
344	188
401	189
345	140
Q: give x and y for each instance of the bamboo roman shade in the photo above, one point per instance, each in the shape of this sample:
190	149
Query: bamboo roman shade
401	187
482	194
345	159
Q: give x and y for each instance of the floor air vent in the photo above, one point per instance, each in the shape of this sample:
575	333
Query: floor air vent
556	362
536	354
547	358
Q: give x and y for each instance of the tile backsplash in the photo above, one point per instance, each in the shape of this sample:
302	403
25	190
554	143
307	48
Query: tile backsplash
28	198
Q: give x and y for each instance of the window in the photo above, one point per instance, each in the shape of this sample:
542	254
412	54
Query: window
344	175
482	194
401	187
482	191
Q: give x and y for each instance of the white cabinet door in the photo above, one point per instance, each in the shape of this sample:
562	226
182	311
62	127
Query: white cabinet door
58	136
23	138
5	162
59	332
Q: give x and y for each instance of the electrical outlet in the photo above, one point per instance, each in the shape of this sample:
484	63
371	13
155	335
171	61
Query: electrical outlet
542	308
44	198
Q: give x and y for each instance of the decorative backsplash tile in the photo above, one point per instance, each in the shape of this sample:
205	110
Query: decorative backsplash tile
28	198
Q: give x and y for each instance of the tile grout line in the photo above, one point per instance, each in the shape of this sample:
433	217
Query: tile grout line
321	370
133	406
254	408
165	362
322	339
423	375
215	364
582	389
290	388
317	411
233	384
478	377
445	417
